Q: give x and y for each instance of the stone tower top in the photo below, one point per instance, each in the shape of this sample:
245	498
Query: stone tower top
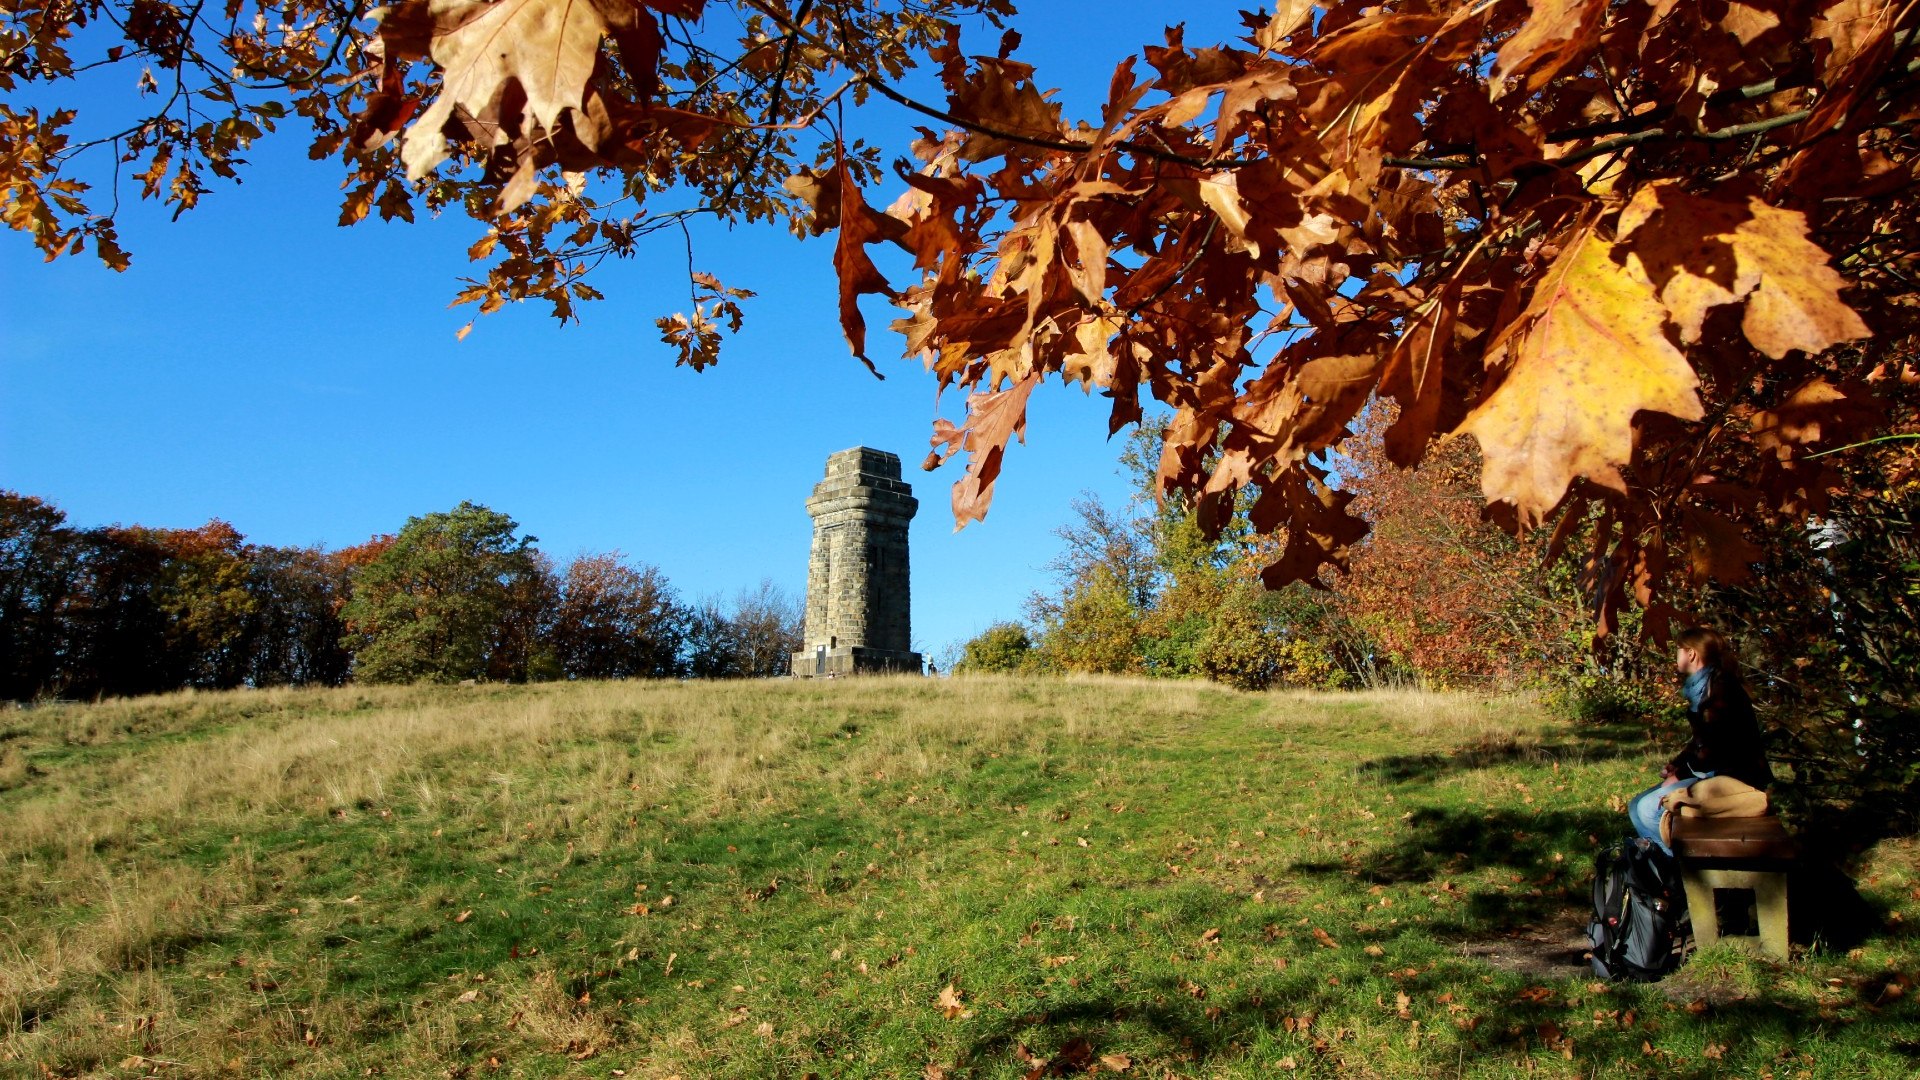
869	476
858	587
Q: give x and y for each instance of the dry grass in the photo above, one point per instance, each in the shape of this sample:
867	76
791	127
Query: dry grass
123	775
278	883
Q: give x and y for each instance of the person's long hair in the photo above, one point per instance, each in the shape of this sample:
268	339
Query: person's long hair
1714	652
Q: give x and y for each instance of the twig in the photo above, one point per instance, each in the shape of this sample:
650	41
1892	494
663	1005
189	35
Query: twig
1858	445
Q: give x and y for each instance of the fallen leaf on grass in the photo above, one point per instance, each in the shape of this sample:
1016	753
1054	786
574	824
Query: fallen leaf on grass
949	1002
463	916
1374	950
1074	1057
469	996
1116	1062
1324	938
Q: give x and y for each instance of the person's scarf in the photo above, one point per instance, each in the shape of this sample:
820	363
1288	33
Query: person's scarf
1696	687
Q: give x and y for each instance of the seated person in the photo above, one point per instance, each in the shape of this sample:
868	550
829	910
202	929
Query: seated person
1726	737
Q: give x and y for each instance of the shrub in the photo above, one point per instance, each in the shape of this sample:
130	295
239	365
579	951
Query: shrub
1002	647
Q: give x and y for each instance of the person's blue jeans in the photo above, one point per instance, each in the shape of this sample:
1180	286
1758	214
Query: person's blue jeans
1646	811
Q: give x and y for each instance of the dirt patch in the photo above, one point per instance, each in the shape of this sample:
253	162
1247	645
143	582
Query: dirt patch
1555	950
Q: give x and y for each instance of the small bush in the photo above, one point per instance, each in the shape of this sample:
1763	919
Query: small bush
1002	648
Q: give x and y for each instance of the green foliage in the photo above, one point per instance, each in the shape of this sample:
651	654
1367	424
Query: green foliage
1002	648
110	611
1094	629
1146	589
1829	631
1256	641
1239	646
1597	697
439	604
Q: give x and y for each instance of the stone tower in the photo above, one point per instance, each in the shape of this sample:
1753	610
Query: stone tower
857	588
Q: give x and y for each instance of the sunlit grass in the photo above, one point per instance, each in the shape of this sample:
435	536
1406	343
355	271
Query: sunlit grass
781	878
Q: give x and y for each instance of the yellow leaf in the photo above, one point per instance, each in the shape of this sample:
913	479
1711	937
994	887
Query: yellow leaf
949	1002
1556	33
1701	252
545	48
1589	352
1221	193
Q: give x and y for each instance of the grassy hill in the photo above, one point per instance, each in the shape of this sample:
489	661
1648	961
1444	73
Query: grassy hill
901	878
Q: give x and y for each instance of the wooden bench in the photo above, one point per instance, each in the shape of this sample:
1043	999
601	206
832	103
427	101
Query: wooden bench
1751	853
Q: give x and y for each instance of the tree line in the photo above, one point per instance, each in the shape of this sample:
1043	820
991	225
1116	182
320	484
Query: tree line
120	610
1435	595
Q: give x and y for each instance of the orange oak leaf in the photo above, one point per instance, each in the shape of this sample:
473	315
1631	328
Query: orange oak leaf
949	1002
547	48
1556	33
1413	375
1702	252
860	225
1717	550
1319	529
992	419
1818	411
1588	353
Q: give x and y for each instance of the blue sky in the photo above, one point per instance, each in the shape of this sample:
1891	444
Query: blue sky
261	365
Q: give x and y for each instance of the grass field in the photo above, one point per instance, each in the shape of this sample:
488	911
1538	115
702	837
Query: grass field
897	878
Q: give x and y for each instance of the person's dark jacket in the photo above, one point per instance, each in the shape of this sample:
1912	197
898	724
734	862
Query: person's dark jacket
1726	736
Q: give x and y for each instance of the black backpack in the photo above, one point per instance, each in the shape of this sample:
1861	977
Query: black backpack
1639	912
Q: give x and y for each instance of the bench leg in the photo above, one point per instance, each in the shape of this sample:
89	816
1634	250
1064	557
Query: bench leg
1770	899
1770	896
1706	921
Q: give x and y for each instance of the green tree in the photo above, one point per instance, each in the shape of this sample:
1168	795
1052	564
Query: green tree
1000	648
40	559
443	602
1093	626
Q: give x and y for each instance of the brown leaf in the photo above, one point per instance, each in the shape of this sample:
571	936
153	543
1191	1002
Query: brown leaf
1717	550
1818	411
992	419
1319	530
860	225
949	1002
1589	352
546	49
1556	33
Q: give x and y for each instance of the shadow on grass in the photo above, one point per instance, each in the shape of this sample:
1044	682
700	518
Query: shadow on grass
1285	1017
1826	908
1587	744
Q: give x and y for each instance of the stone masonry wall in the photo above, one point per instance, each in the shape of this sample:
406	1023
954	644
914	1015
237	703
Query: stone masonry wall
858	580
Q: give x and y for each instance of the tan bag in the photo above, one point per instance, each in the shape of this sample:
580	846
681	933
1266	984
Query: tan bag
1716	796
